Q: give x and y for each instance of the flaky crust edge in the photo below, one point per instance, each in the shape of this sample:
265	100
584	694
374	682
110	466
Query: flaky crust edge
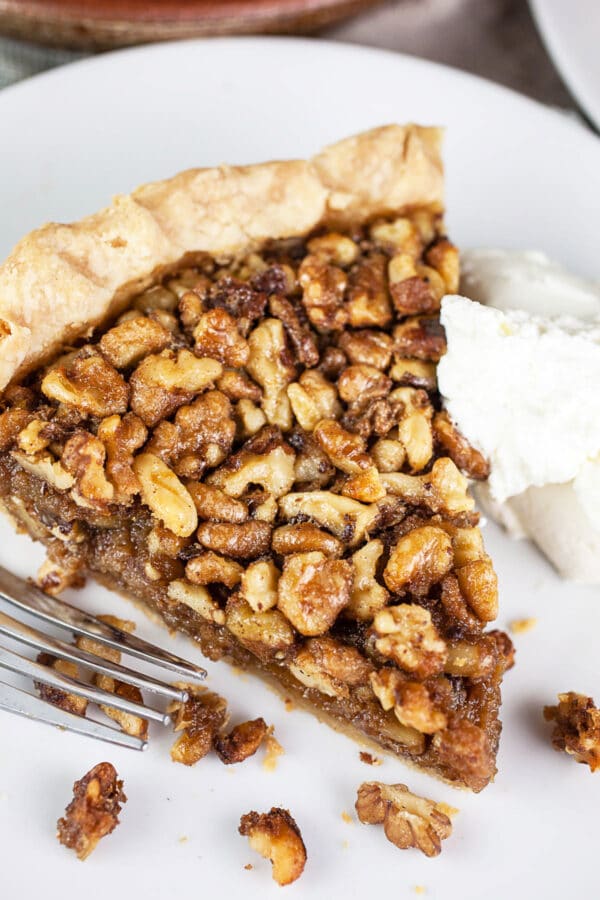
61	281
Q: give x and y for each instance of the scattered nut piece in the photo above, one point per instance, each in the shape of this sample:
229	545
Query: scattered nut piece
369	759
70	702
467	458
408	820
276	836
199	719
577	728
94	811
242	742
521	626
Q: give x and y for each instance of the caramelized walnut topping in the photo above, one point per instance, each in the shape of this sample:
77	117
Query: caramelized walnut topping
198	599
465	747
301	338
406	634
84	456
363	383
245	541
305	538
467	458
577	728
275	836
346	451
121	437
368	300
214	505
271	367
242	742
313	590
368	347
443	256
199	719
444	490
259	585
367	596
313	398
216	335
323	287
126	344
210	568
408	820
165	495
420	337
420	559
89	384
164	382
329	666
237	386
94	811
348	519
410	700
266	634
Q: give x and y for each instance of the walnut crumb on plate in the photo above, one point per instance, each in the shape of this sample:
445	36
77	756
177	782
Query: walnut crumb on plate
94	810
408	820
276	836
521	626
577	728
369	759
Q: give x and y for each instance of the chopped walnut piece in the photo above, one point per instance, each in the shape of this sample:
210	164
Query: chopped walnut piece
266	634
408	820
388	454
313	398
443	490
410	700
334	248
577	728
31	439
465	747
313	590
399	234
250	418
94	811
84	456
162	383
46	468
237	386
414	288
242	742
369	759
467	458
154	298
414	427
345	450
323	287
199	719
211	568
366	486
420	337
259	585
12	422
216	335
418	560
304	538
122	436
363	383
472	660
56	696
245	541
367	596
56	575
165	495
443	257
368	303
198	599
406	634
214	505
264	460
348	519
301	337
371	348
478	584
90	384
330	666
128	722
126	344
276	836
271	367
240	299
312	468
414	372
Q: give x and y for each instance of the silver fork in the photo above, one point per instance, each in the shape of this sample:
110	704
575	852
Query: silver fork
26	598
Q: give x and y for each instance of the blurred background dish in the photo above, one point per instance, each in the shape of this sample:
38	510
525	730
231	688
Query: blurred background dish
101	24
571	33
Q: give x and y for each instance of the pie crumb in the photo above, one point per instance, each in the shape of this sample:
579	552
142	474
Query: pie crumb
273	750
248	867
447	809
369	759
183	839
345	845
289	704
520	626
420	889
347	818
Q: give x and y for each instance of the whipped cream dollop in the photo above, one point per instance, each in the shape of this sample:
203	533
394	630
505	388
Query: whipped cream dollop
521	378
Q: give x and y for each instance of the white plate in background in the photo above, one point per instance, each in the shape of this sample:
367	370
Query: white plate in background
518	176
571	32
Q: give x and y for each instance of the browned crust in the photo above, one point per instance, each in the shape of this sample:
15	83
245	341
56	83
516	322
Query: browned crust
62	280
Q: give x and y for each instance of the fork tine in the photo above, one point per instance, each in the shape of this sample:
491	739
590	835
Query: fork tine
24	634
24	666
13	699
30	599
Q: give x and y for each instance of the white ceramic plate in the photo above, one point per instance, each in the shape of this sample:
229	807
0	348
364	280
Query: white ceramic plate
571	32
518	176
